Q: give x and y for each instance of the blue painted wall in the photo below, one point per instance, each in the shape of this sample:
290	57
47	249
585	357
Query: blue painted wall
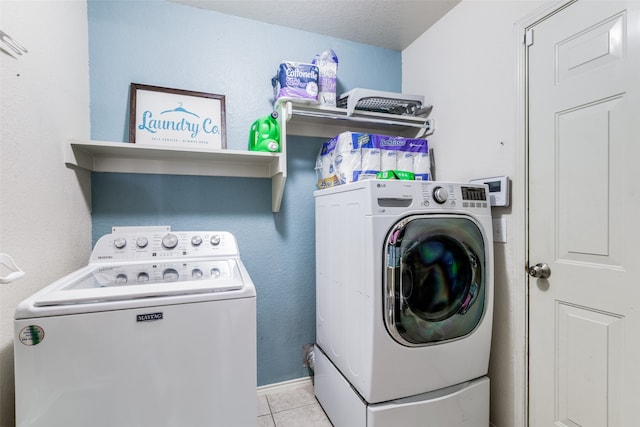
160	43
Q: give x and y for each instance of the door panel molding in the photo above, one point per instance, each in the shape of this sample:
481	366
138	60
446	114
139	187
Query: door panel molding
591	48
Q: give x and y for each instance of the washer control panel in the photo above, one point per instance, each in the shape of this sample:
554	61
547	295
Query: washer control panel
397	196
158	243
150	273
455	195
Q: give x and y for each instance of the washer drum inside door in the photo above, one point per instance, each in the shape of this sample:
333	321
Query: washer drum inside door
434	280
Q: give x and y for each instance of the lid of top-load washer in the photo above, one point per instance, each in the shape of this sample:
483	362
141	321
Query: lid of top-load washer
147	280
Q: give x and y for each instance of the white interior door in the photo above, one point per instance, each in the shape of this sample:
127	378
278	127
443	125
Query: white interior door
584	216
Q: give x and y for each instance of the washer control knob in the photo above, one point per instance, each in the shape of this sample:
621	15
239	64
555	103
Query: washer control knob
120	242
142	242
170	275
196	240
440	195
143	277
215	273
121	279
196	273
215	239
170	241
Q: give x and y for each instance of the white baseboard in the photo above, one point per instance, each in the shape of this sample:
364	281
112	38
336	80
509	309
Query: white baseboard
284	386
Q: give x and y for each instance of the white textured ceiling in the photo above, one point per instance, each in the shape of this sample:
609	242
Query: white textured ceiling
392	24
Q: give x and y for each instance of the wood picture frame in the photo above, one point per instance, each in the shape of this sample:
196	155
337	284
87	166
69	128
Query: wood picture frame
169	117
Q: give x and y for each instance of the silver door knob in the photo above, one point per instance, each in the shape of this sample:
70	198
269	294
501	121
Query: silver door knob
540	271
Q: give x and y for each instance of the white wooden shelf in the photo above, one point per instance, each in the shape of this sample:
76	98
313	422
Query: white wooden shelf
295	119
122	157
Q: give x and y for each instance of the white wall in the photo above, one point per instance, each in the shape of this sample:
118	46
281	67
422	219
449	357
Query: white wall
44	213
466	65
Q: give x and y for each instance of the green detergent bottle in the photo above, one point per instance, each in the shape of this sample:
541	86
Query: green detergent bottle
265	134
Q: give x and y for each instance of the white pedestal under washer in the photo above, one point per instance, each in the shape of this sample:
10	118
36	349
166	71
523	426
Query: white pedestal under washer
404	302
158	330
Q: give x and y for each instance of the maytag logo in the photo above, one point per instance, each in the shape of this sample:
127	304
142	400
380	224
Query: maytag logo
149	317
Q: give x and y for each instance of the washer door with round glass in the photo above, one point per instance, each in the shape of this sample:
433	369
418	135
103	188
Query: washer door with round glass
434	279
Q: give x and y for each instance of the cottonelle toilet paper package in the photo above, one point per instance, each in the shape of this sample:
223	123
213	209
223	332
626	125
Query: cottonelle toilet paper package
296	82
352	156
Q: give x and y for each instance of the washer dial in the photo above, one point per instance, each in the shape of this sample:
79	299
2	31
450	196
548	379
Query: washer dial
440	195
120	242
170	241
170	275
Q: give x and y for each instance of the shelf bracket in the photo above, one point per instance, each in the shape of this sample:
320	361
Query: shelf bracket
428	129
277	191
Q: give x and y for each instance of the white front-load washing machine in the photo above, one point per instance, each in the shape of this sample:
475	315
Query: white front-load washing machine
404	303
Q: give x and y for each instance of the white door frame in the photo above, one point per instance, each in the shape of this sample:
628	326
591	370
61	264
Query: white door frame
520	198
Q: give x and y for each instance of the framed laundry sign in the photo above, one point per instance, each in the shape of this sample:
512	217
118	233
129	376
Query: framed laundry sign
176	118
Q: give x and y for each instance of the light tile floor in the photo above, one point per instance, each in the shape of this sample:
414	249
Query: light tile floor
291	408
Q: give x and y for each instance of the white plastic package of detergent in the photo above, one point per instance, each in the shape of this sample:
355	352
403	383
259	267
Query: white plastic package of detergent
296	82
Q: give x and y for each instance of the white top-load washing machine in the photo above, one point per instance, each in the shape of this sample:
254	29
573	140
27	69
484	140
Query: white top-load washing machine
158	330
404	303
